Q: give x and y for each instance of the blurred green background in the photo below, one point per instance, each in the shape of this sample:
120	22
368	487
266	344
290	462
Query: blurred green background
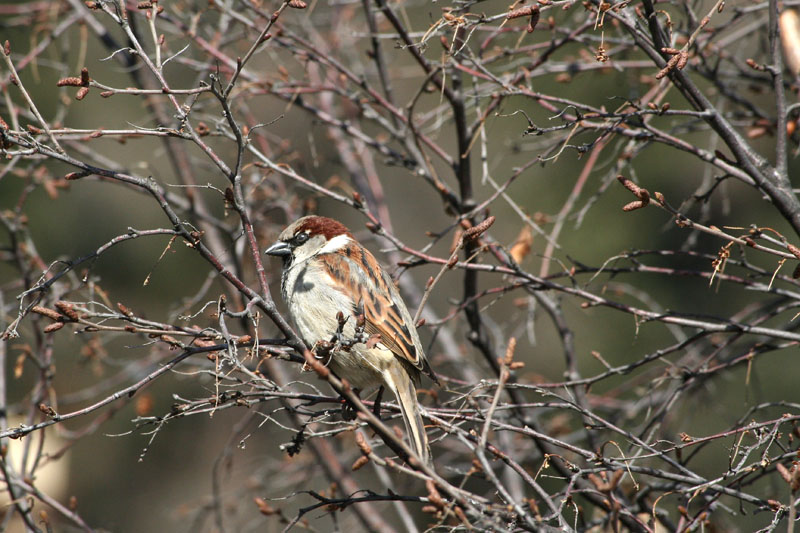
119	487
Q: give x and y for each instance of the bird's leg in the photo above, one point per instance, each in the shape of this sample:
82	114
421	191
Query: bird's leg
348	409
376	407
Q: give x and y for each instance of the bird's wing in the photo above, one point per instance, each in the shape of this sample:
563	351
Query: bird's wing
374	290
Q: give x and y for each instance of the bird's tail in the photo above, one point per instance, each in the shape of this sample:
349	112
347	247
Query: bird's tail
398	380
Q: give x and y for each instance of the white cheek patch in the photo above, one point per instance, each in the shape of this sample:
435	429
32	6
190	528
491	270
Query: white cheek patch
335	244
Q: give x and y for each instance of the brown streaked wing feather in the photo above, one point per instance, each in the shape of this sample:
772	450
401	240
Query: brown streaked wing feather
386	320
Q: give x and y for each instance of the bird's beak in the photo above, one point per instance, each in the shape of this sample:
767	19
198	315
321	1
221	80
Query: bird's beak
279	248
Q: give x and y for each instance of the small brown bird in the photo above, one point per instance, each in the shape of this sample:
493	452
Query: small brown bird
325	270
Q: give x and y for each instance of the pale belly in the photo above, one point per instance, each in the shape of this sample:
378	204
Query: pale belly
313	309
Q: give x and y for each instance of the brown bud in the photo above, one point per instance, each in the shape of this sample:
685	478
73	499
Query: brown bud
49	313
534	20
71	81
55	326
362	443
683	58
67	309
452	262
512	345
433	494
521	12
361	461
244	339
263	507
298	4
169	339
633	206
46	409
76	175
82	92
476	231
229	198
628	184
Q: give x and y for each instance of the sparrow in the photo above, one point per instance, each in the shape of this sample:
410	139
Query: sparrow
327	271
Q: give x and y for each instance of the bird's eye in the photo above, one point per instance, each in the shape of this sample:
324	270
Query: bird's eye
300	238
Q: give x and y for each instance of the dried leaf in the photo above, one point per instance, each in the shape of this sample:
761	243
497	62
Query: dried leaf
522	246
